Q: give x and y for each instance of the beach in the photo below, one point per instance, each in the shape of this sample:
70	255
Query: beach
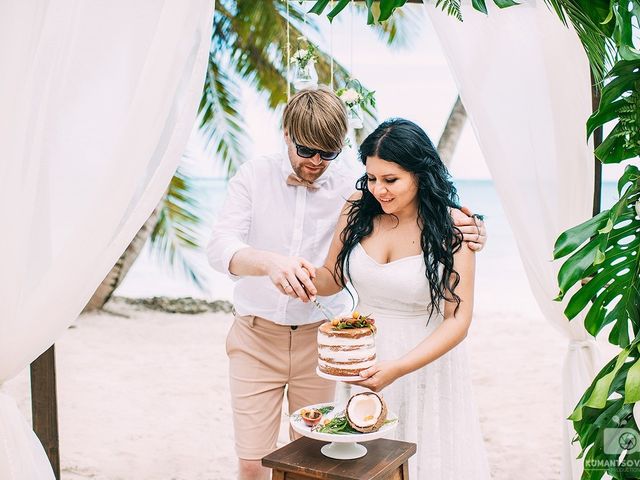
145	396
108	99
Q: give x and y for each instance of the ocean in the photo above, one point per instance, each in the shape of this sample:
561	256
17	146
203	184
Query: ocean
499	263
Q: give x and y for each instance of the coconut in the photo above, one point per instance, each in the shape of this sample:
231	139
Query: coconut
366	412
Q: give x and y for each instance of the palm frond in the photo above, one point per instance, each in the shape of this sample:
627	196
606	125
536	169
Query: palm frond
178	229
451	7
255	42
219	118
249	42
258	53
591	25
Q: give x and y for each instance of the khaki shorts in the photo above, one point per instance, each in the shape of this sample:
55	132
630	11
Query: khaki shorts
264	357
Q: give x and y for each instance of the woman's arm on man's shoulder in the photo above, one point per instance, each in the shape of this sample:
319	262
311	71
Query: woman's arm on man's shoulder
472	227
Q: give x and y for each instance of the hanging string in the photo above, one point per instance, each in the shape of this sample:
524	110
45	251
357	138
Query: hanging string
351	15
288	55
331	47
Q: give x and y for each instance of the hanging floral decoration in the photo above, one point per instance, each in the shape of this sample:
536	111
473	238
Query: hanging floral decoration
304	59
355	97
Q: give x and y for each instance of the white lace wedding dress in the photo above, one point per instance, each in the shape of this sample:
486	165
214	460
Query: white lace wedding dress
435	404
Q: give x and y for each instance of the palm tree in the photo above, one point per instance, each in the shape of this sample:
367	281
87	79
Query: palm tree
452	132
249	43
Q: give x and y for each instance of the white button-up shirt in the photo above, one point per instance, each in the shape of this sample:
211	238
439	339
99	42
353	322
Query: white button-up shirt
263	212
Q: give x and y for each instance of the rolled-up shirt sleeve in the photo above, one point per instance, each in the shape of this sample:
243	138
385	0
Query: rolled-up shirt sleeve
231	229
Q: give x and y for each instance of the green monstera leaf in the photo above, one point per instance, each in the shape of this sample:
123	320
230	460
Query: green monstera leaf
385	9
380	11
606	251
605	412
620	100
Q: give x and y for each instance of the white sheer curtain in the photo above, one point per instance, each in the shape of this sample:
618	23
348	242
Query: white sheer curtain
97	99
524	80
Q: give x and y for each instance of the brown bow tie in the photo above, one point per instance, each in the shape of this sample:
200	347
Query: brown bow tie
296	181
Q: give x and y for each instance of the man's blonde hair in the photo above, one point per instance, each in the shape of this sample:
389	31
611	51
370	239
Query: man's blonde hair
316	119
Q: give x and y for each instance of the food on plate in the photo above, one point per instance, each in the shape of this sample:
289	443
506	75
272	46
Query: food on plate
366	412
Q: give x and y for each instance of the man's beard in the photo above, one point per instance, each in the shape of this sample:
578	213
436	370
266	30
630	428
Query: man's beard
305	175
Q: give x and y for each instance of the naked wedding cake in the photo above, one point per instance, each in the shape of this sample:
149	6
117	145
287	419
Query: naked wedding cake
346	345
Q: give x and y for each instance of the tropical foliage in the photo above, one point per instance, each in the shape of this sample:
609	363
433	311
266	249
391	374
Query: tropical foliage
604	416
380	12
604	250
249	43
620	101
603	253
178	226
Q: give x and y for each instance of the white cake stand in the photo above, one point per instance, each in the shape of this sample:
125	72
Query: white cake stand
342	446
343	387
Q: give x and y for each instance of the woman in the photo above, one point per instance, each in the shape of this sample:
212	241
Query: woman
397	245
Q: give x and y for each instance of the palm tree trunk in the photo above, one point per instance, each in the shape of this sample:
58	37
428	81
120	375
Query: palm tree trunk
113	279
452	132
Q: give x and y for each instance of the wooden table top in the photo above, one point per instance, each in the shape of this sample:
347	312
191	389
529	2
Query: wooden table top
304	456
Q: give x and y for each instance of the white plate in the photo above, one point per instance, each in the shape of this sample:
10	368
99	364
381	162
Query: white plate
299	426
338	378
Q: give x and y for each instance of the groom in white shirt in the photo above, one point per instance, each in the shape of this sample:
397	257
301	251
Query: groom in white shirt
276	223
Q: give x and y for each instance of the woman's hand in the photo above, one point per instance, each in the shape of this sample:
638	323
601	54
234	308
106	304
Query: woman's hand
380	375
472	226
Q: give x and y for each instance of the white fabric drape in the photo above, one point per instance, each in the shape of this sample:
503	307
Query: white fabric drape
97	100
524	80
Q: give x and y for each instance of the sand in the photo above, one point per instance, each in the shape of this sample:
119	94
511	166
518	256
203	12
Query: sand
146	397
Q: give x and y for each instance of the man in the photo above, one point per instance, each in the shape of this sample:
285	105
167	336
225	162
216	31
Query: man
275	225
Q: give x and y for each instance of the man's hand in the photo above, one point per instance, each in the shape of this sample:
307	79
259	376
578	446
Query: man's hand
292	276
472	228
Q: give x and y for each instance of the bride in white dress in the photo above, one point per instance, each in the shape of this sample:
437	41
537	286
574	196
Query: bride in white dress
397	245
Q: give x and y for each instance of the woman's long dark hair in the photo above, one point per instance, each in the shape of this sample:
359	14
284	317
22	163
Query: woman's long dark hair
405	143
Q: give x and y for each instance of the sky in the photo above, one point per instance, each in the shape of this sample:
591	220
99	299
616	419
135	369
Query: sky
412	81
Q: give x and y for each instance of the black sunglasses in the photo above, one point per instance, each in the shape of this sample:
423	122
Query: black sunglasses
307	152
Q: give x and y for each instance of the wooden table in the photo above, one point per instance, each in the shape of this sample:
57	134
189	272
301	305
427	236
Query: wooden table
301	460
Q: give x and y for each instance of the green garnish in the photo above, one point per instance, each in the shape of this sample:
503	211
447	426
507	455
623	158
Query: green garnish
340	426
361	321
326	409
337	426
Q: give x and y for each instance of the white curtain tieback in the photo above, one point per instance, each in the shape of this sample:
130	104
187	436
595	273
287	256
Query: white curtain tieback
575	344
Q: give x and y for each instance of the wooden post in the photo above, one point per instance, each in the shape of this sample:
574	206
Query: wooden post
44	406
597	141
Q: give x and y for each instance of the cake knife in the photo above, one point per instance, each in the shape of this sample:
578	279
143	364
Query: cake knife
323	309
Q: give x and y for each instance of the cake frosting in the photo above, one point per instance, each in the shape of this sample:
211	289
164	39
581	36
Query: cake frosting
345	347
